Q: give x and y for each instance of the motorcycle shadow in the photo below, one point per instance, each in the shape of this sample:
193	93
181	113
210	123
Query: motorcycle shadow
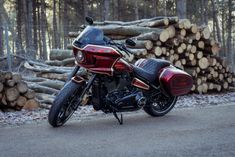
131	121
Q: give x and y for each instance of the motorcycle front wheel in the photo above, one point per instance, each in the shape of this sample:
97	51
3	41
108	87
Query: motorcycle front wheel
64	104
160	105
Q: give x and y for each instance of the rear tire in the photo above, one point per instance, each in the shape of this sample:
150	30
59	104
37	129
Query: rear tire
63	105
160	108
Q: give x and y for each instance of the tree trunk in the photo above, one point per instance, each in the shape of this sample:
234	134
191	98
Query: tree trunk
9	62
65	23
215	11
39	28
145	9
165	9
49	37
229	26
85	9
203	12
119	4
55	32
115	10
106	10
43	31
136	10
155	7
1	31
1	39
30	49
181	8
35	28
19	22
25	22
205	3
223	29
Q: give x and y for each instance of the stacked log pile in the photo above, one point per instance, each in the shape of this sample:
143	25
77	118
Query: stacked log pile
47	79
15	93
184	44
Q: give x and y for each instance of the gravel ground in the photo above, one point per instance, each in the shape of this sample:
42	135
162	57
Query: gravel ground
37	116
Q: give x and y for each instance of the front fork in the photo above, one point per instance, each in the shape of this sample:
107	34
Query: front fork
73	73
87	86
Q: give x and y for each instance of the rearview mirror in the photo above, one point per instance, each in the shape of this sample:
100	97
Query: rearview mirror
89	20
130	42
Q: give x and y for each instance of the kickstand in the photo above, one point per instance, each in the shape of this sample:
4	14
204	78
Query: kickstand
120	120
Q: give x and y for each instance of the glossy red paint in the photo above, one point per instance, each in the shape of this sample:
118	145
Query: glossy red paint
140	84
122	66
75	51
175	81
102	59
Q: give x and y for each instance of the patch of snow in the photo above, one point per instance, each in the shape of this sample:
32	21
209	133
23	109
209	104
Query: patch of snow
195	100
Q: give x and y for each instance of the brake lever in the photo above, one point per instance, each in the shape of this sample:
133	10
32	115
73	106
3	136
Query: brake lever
123	48
120	46
127	50
107	40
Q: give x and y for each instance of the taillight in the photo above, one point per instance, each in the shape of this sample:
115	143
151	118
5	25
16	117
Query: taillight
181	81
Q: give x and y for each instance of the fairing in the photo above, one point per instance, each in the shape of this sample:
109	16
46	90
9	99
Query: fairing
89	35
93	53
103	60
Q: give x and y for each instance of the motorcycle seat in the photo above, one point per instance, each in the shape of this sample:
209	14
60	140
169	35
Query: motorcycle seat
149	70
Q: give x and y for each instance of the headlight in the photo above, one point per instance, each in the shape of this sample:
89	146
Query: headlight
79	56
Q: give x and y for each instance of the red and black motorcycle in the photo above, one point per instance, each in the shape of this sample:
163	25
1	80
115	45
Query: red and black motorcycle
113	85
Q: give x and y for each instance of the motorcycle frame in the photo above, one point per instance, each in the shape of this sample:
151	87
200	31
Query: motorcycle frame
91	80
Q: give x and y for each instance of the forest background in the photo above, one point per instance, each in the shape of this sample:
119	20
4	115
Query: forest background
30	28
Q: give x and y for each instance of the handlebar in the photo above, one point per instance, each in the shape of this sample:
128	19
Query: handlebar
120	46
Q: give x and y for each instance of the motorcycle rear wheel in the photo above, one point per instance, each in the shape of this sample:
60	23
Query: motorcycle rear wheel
158	108
64	104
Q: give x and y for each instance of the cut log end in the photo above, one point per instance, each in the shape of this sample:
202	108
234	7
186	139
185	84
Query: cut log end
31	105
203	63
164	36
22	87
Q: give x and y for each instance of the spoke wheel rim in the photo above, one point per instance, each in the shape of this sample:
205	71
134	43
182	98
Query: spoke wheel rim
66	111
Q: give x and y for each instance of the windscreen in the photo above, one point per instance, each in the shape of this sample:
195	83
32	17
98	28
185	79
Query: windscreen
89	35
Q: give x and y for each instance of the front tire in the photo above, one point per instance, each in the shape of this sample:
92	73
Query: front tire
63	106
160	106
